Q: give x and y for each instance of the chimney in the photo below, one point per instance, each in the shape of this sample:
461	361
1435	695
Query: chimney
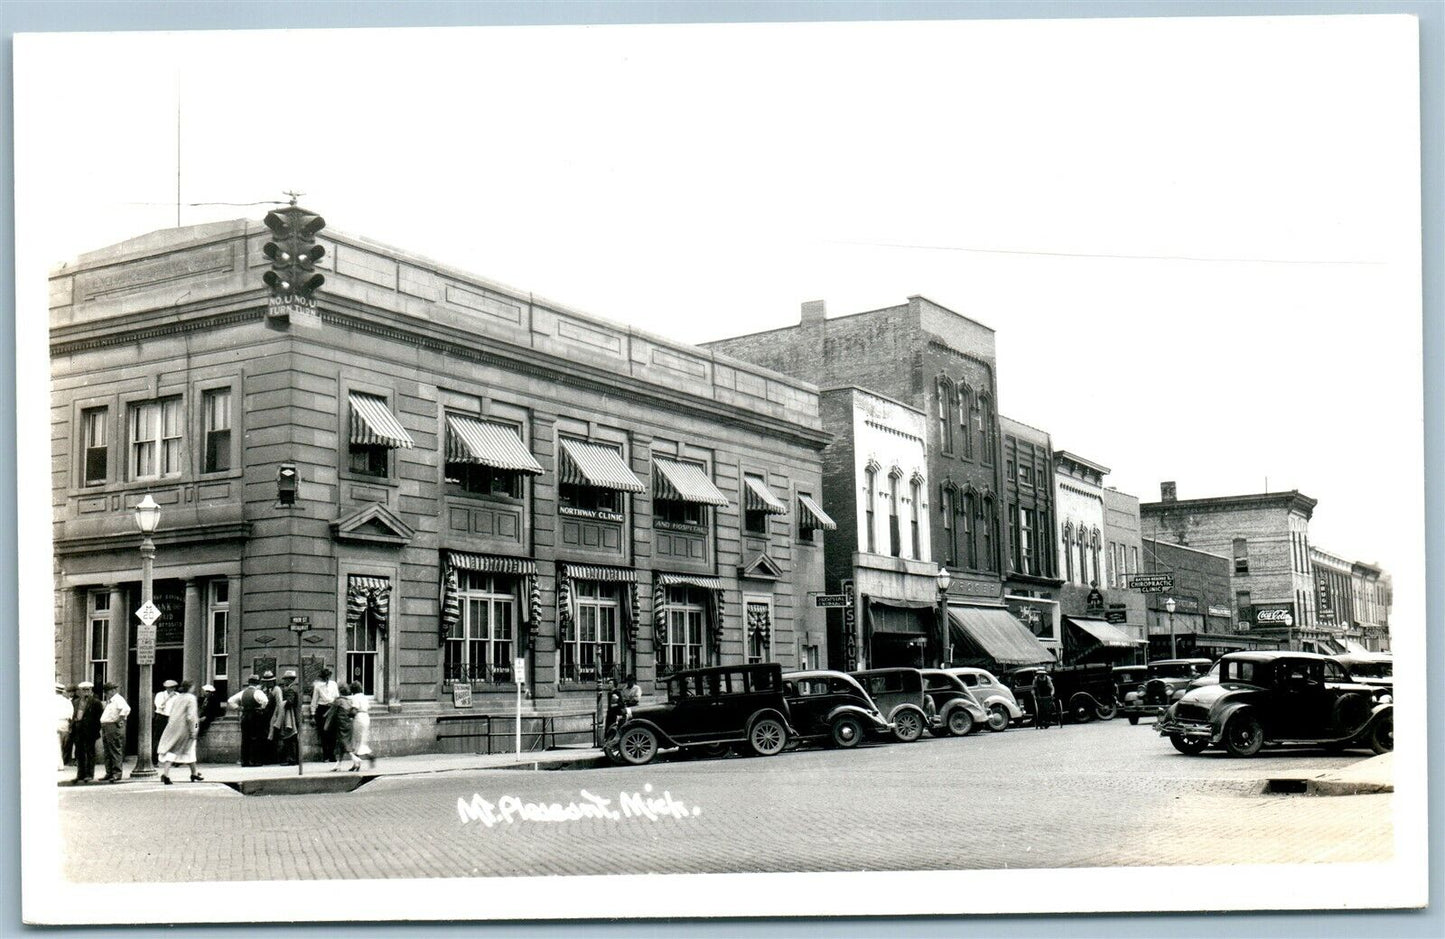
1167	492
813	313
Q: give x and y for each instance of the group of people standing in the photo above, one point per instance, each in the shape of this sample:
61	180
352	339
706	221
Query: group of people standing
270	714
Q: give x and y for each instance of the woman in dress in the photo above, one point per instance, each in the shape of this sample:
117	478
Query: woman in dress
360	727
338	725
178	740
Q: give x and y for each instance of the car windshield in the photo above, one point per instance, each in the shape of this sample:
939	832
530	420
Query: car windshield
1372	670
1175	670
1129	675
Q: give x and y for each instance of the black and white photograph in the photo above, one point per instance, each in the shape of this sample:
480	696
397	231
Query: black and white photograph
730	469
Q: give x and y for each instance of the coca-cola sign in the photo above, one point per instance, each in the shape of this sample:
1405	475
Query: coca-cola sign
1274	615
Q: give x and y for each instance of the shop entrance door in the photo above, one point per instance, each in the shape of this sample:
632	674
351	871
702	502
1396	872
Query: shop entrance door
896	650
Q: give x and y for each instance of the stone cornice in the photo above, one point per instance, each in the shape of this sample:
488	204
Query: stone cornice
130	540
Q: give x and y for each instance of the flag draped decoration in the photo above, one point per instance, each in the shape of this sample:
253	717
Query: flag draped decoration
451	601
368	594
564	603
634	618
715	636
659	620
759	623
534	610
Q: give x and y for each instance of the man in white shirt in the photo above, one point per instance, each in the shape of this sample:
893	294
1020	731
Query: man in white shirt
323	694
112	732
162	714
64	714
251	701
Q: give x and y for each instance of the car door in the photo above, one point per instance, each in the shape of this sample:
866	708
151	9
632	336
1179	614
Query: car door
1301	710
691	713
807	704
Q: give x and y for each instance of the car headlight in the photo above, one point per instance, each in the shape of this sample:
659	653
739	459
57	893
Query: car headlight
1387	699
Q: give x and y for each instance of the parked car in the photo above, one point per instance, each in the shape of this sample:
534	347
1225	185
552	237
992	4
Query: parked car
1376	669
1084	692
954	710
707	709
1165	682
833	707
1279	699
992	695
898	692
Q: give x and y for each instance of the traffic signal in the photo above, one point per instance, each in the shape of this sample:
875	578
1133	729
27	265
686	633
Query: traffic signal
293	253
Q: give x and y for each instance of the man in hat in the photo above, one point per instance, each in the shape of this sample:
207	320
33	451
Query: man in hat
251	701
285	714
87	732
64	714
323	695
72	695
112	732
268	686
162	714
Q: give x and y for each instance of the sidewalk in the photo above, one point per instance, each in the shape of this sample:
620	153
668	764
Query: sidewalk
237	776
1376	774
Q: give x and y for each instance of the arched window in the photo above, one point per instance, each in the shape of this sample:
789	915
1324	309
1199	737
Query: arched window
990	534
950	506
895	539
1083	543
945	414
984	428
1094	555
915	492
1068	552
965	415
869	508
968	526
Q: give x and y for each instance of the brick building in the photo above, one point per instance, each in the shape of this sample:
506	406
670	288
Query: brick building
1373	597
483	477
1121	558
1203	623
1085	597
1031	587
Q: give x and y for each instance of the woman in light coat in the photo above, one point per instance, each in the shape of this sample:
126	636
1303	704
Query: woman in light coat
360	727
178	740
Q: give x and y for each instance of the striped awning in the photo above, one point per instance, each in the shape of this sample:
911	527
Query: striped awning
813	516
470	440
689	580
757	497
491	563
684	482
590	464
365	594
624	575
373	424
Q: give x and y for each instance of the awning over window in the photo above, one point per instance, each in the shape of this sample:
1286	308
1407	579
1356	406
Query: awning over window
813	516
590	464
1002	637
1103	632
901	616
624	575
491	563
368	594
757	497
684	482
689	580
470	440
373	424
455	561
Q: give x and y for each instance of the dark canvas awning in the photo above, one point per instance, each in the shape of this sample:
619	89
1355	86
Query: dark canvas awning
999	634
590	464
373	424
757	497
684	482
485	443
811	515
1103	632
900	616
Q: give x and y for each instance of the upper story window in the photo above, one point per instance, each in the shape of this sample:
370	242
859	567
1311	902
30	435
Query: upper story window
915	491
950	509
812	518
1028	550
1026	474
945	415
870	510
984	422
155	439
965	410
93	436
759	503
682	492
1068	552
1241	556
968	528
375	432
486	458
216	412
895	539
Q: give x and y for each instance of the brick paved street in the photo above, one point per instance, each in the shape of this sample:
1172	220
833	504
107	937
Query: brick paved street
1095	795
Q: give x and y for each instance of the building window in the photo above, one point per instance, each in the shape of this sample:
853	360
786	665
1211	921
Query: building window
755	521
93	443
98	636
990	523
475	479
155	438
373	433
216	408
368	606
870	539
945	415
895	546
965	410
1026	474
984	423
1241	556
481	646
1094	557
682	641
1015	537
1028	526
968	529
591	650
915	491
807	657
1069	552
950	509
218	626
759	617
589	498
1133	560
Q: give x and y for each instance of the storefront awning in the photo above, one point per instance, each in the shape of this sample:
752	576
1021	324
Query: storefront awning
757	497
811	515
684	482
1103	632
373	424
1354	648
999	634
491	563
470	440
689	580
900	616
590	464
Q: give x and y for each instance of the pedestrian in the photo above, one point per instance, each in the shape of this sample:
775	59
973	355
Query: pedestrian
266	752
64	714
87	732
338	724
72	694
211	707
285	715
323	694
251	701
178	740
112	732
360	727
1044	705
632	694
161	714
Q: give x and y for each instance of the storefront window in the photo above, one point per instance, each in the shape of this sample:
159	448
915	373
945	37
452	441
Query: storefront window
481	647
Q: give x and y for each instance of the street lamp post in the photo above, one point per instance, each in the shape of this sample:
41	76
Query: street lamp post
1169	606
943	578
147	517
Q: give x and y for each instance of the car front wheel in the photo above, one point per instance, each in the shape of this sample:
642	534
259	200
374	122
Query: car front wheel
1107	711
847	732
960	723
1382	736
1081	709
638	746
1243	736
907	726
768	737
1188	745
998	718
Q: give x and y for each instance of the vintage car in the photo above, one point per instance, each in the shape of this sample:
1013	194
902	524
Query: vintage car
1279	699
1083	692
707	709
1164	683
832	707
1376	669
899	694
954	710
992	695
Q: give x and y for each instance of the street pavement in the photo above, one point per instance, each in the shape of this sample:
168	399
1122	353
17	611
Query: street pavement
1102	794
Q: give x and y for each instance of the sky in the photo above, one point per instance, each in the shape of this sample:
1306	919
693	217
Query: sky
1197	239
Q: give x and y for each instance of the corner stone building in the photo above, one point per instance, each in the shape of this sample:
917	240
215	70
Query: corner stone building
483	478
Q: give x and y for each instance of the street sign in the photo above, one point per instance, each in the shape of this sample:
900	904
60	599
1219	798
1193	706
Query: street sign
299	624
149	613
145	645
1158	582
831	599
519	672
